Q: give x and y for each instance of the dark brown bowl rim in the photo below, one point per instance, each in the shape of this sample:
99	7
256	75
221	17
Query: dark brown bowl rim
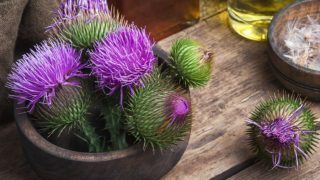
28	130
270	38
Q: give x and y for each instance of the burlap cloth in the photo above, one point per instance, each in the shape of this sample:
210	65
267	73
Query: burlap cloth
22	24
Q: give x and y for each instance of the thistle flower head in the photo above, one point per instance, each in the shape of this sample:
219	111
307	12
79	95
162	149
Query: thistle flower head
83	22
71	10
178	108
158	114
282	129
35	77
190	63
122	59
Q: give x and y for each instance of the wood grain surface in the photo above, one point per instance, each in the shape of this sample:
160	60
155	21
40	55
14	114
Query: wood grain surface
242	77
309	170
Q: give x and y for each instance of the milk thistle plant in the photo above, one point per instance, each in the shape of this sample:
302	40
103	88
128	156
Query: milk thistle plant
282	131
114	92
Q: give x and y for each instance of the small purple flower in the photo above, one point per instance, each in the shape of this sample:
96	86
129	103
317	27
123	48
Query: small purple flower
35	77
281	134
122	59
178	108
72	9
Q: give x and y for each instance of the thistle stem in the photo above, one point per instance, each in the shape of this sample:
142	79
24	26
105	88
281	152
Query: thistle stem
118	138
91	137
112	117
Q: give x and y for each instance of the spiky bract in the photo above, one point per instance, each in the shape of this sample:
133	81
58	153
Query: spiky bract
152	114
84	22
122	59
282	131
190	63
72	108
35	77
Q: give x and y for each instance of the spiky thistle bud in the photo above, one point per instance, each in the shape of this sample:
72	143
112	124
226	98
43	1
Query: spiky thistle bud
190	63
157	114
122	59
84	22
282	131
72	110
35	77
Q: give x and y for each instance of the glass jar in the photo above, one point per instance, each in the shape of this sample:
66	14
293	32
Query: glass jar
160	17
251	18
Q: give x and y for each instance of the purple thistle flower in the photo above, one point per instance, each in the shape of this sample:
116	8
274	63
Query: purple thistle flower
178	108
72	9
122	59
281	134
35	77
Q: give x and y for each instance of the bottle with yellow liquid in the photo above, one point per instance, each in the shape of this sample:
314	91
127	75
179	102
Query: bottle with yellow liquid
251	18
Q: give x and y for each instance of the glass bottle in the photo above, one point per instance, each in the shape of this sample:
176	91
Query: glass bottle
251	18
160	17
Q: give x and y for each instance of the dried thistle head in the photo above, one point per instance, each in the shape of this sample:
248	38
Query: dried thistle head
282	131
190	63
158	114
35	78
84	22
302	40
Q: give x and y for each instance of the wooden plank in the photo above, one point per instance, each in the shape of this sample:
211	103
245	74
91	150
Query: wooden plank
308	170
241	79
211	7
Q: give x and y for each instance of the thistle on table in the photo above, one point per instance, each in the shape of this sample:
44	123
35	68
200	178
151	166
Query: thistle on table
282	131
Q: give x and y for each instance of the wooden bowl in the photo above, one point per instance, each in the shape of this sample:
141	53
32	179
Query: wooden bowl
55	163
294	77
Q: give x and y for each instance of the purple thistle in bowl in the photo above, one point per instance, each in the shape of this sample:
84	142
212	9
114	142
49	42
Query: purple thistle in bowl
177	109
282	130
84	22
122	59
72	9
158	114
35	77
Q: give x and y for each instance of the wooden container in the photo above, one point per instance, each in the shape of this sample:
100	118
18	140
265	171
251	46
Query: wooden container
51	162
160	17
294	77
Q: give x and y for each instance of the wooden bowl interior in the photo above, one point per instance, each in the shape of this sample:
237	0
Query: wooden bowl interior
278	27
29	130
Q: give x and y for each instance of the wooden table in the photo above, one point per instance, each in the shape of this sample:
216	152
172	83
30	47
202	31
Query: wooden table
218	148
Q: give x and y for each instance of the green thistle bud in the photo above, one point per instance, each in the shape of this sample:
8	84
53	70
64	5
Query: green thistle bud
190	63
157	114
71	110
282	131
